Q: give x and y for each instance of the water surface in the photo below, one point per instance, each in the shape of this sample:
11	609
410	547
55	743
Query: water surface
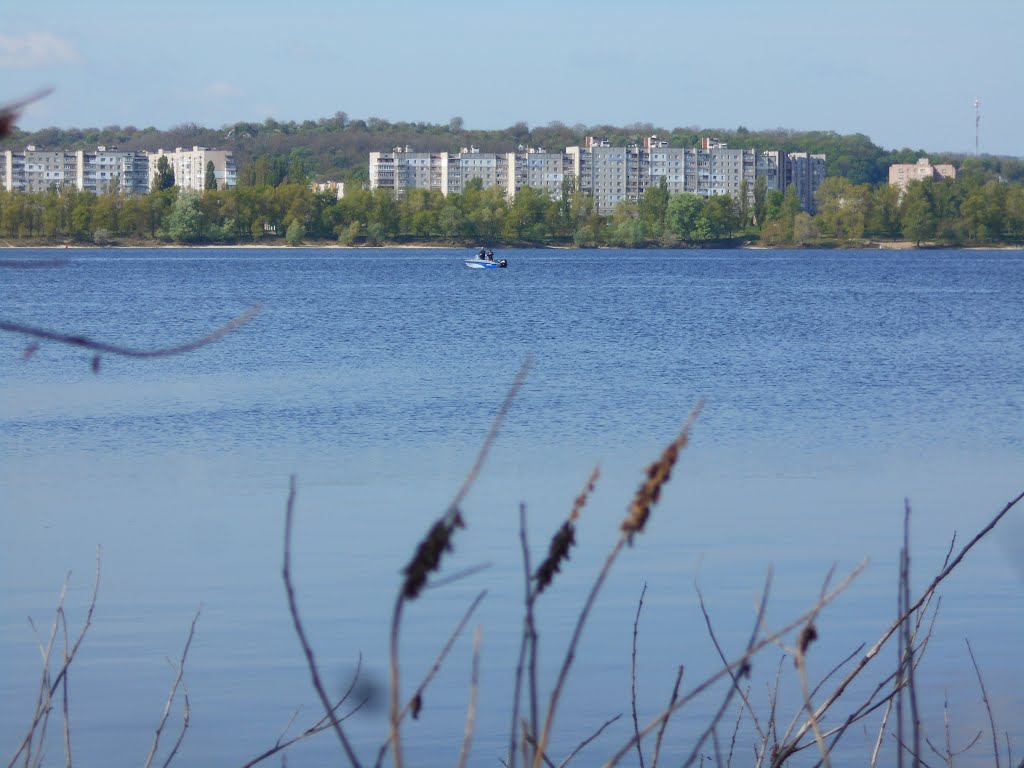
837	385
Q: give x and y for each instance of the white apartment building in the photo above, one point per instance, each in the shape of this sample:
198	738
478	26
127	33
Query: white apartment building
36	170
901	174
608	174
189	167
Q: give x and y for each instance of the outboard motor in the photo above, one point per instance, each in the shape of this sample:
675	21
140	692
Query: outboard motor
503	263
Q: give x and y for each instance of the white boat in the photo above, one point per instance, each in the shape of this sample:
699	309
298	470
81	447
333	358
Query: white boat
486	261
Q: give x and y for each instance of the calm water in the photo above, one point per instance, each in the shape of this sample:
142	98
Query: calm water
837	384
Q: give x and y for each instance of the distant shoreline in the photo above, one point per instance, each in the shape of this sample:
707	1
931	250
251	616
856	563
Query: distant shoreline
869	245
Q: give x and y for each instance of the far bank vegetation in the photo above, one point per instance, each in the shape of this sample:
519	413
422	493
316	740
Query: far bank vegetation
278	161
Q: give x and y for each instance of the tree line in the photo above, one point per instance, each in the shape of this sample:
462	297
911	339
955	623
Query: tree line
973	209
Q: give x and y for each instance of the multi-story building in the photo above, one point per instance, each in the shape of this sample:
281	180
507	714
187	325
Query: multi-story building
536	168
606	173
189	167
900	175
805	172
107	169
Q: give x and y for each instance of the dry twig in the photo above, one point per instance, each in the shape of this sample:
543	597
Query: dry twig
114	349
785	751
632	676
988	706
429	552
180	672
300	631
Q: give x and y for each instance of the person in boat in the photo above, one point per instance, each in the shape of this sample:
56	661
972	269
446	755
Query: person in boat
490	255
482	254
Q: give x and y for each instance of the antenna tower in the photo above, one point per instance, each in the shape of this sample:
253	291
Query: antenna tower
977	123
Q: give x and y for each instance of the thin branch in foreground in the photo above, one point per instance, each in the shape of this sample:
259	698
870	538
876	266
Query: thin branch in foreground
664	724
170	696
632	676
528	637
788	749
47	686
739	662
636	518
718	647
301	632
185	717
474	686
988	706
429	552
320	725
586	741
115	349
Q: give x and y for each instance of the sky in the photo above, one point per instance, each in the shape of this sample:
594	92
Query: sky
904	72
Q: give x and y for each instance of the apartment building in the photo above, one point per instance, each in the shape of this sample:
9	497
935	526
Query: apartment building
805	172
37	170
901	174
131	172
189	167
606	173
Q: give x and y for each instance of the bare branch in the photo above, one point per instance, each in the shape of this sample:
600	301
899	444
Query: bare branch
741	660
988	706
185	717
586	741
174	690
907	612
528	637
664	724
474	686
632	676
301	632
115	349
428	557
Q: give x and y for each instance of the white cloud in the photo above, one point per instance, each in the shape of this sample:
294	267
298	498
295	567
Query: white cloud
35	50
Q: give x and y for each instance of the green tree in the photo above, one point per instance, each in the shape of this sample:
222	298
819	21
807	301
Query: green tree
982	212
760	200
653	207
841	208
804	228
164	178
210	182
720	216
296	233
184	224
916	213
884	211
684	217
743	205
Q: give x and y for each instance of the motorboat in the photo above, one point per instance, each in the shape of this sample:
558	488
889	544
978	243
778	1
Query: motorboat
486	261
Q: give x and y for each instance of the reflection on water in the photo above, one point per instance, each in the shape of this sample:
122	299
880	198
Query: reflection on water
837	385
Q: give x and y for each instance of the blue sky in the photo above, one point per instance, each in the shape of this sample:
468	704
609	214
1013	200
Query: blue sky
904	72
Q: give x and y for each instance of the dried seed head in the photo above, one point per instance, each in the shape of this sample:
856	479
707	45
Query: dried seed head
658	474
807	636
558	551
428	553
581	500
